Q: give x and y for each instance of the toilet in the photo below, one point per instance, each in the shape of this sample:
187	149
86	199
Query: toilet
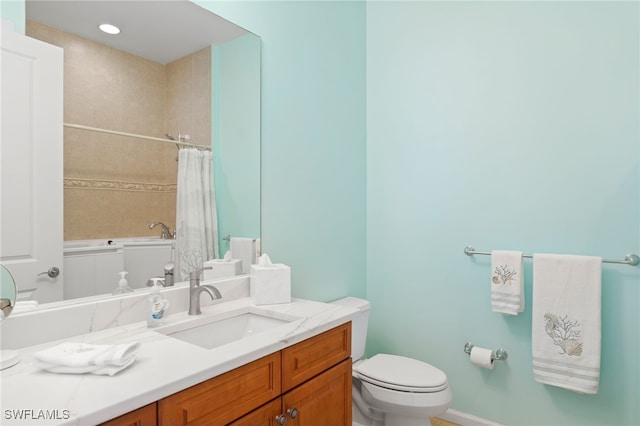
392	390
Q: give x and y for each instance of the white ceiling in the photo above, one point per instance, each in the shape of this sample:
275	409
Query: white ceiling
160	30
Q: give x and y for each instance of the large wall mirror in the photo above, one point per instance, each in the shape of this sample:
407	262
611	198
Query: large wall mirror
175	73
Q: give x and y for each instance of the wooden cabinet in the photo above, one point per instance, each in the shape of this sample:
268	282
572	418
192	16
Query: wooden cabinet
267	415
323	400
316	384
224	398
145	416
307	384
310	357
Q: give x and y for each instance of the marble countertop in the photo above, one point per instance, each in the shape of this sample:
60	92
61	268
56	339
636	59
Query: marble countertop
163	366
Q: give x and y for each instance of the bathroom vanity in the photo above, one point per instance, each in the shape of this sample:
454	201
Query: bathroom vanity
296	385
298	372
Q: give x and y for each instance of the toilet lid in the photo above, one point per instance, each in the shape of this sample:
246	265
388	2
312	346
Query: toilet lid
401	373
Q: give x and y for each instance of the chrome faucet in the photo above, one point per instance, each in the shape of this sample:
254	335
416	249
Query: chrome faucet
166	234
195	289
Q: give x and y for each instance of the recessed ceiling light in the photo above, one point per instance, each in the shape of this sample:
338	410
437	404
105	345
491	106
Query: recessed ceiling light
109	29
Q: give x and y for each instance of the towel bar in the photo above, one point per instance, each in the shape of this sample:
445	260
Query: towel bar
631	259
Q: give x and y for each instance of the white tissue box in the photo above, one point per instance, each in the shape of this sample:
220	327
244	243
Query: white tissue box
221	268
270	284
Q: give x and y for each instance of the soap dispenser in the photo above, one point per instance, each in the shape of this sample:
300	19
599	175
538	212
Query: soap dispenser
123	285
168	274
157	305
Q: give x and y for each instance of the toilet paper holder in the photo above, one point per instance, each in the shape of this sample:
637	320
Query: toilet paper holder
498	354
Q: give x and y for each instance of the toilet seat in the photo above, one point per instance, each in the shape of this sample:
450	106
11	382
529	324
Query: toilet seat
401	374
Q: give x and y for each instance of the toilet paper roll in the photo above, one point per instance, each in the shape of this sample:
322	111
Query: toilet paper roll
481	357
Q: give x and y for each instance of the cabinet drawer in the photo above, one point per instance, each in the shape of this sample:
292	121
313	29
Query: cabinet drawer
222	399
310	357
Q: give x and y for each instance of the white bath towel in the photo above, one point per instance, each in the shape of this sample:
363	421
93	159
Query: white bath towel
244	249
566	321
507	284
81	358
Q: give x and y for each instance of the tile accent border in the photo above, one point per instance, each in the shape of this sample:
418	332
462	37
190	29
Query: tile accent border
78	183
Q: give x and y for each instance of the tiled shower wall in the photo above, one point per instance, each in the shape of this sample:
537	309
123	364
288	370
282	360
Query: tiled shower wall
115	186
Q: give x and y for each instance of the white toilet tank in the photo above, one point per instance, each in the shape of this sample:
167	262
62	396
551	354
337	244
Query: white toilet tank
359	324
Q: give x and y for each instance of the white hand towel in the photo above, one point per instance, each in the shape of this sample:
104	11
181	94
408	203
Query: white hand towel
110	370
244	249
80	358
507	284
566	321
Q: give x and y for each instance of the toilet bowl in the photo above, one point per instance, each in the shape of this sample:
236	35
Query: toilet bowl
392	390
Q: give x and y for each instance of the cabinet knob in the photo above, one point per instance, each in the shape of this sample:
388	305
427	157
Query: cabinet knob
292	412
281	419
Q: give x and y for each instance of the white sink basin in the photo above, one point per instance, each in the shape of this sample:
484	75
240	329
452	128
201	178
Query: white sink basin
213	331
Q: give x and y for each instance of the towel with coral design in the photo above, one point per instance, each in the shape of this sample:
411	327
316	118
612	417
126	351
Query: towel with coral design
507	285
566	321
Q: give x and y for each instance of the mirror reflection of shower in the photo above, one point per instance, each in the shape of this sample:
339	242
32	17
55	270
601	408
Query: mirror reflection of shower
115	186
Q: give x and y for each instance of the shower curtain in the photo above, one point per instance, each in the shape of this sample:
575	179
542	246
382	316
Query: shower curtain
196	217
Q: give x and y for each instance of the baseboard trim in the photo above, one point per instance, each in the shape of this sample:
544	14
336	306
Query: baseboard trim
465	419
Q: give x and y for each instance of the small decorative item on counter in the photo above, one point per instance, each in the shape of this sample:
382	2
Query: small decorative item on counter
270	282
157	305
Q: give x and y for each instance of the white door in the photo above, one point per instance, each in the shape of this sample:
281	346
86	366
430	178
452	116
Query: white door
31	159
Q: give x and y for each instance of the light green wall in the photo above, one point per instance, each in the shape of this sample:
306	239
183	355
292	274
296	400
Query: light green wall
503	125
313	139
13	11
236	137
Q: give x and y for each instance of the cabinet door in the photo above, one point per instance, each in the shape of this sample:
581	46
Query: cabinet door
323	400
224	398
267	415
145	416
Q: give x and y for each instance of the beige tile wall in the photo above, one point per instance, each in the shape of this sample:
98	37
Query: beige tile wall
116	186
188	106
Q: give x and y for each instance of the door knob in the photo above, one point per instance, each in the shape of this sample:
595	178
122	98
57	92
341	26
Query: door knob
53	272
292	412
281	419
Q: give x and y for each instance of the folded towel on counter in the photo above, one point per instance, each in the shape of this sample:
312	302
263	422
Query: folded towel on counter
566	321
507	285
81	358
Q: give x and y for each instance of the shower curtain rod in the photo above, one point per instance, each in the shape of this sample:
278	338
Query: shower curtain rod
133	135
